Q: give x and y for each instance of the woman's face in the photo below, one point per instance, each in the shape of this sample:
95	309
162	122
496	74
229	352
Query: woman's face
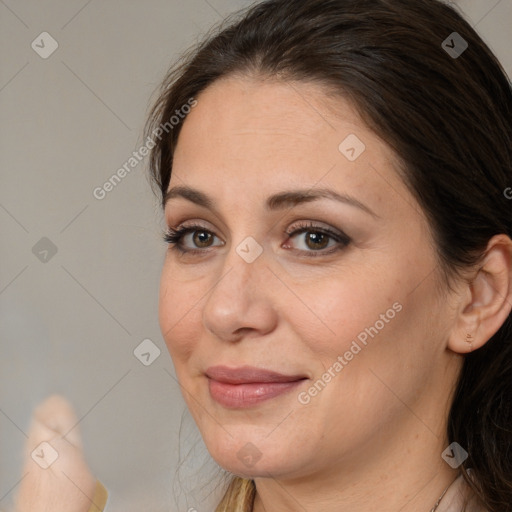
347	312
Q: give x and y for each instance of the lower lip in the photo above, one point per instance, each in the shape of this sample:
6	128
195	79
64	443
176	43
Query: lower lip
246	395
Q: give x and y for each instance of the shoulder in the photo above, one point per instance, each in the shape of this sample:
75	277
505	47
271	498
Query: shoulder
456	496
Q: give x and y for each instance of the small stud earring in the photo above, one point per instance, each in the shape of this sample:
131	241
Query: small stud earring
469	339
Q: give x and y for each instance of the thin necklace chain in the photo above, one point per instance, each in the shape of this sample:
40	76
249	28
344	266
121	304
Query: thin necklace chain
434	508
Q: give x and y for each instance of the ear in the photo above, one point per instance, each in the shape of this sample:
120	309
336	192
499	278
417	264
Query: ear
487	300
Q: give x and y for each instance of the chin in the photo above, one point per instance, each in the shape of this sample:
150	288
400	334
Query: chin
253	468
250	455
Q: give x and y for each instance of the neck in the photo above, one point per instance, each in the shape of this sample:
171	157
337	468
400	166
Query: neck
407	475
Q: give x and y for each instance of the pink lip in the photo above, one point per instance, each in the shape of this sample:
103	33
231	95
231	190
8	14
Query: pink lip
246	386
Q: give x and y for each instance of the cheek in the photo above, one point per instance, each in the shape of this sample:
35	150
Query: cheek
377	352
382	340
370	319
179	313
353	306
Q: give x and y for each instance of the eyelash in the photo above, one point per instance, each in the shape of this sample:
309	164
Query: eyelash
174	238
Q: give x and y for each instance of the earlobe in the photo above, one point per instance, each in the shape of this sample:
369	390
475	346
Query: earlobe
488	300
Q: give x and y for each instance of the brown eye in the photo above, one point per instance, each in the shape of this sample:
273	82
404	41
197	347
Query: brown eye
202	238
316	240
190	239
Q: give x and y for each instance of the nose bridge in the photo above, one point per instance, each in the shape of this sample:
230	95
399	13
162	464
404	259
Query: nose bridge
239	298
242	269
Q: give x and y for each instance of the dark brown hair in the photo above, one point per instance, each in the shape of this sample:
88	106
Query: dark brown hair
447	117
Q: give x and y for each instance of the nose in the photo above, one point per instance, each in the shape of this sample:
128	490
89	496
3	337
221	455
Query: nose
242	300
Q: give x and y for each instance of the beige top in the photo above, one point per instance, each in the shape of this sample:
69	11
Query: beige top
453	499
99	499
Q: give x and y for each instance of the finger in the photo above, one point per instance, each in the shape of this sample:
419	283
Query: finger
57	416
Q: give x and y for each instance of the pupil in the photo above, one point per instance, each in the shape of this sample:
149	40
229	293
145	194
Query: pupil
198	237
316	238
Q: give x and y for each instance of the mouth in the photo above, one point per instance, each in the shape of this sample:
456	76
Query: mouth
246	386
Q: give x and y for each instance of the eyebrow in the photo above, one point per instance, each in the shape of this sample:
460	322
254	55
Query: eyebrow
274	202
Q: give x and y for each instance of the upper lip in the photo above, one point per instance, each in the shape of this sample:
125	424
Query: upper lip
248	374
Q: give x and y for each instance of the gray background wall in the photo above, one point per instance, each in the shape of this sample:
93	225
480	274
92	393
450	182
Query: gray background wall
70	324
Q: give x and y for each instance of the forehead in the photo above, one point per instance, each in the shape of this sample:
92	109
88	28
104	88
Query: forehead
244	105
256	135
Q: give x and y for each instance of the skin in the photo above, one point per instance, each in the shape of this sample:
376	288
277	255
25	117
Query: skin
67	485
372	438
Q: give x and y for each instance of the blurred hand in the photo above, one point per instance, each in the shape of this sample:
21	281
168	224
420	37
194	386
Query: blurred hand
57	478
